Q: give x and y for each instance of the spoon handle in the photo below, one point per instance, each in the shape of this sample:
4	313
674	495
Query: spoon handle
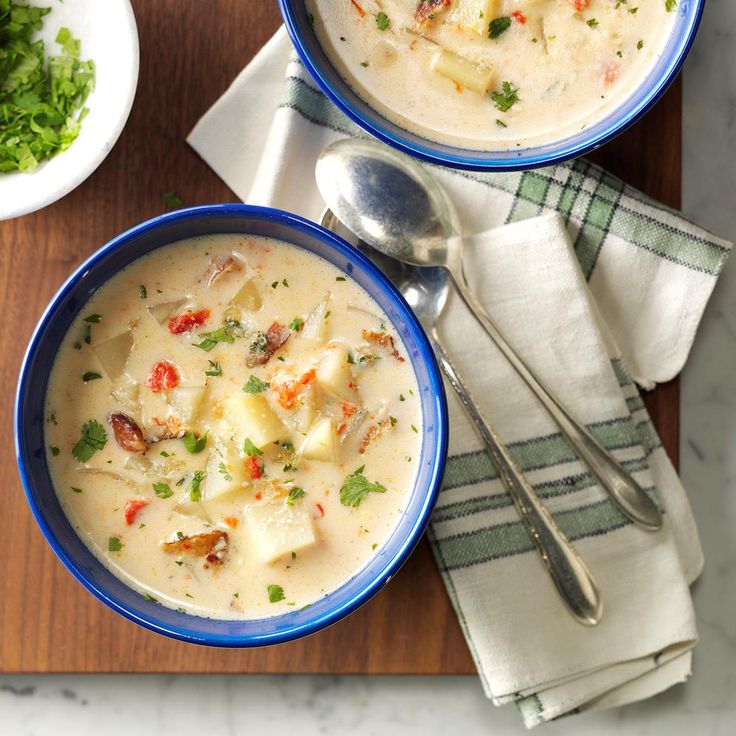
628	495
569	573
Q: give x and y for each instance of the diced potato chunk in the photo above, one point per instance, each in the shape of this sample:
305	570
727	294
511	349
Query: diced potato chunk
474	14
320	442
463	72
113	353
333	372
248	297
184	402
225	472
250	416
277	529
126	391
161	312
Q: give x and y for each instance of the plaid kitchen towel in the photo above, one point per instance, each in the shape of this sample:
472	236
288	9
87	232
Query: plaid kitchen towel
599	289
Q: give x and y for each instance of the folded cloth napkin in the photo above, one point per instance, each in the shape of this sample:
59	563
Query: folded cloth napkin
598	288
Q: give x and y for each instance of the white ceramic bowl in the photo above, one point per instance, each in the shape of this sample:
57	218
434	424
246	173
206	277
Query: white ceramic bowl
108	34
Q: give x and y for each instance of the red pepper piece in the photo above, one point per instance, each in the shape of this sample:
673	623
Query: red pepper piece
132	507
187	321
164	377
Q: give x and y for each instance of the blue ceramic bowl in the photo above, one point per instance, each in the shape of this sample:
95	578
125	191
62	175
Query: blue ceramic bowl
641	99
29	425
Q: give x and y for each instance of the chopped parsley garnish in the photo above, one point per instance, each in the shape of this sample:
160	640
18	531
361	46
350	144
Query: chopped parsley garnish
402	397
285	283
93	437
501	123
163	453
90	376
150	598
393	421
296	324
222	468
54	450
212	338
114	544
254	385
41	98
162	490
172	201
356	487
275	593
413	426
340	278
142	291
382	21
215	369
194	491
294	494
506	98
640	45
93	318
593	23
498	26
250	449
87	335
670	5
76	490
193	443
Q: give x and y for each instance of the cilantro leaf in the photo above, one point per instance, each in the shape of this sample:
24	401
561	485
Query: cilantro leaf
498	26
193	443
224	472
212	338
162	490
254	385
250	449
195	494
114	544
382	21
93	437
506	98
172	201
275	593
356	487
294	494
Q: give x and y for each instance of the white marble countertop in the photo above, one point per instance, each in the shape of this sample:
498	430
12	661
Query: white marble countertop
146	705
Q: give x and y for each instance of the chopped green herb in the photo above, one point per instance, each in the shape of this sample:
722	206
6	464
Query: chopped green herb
340	278
402	397
633	10
194	486
93	437
114	544
180	535
76	490
87	334
189	595
254	385
93	318
150	598
236	595
193	443
501	123
274	284
181	480
163	453
356	487
162	490
288	468
413	426
294	494
212	338
52	418
364	64
296	324
77	345
222	468
506	98
670	5
90	376
498	26
172	201
382	21
285	283
393	421
275	593
54	450
143	292
640	45
374	545
250	449
41	98
215	369
593	23
288	446
179	562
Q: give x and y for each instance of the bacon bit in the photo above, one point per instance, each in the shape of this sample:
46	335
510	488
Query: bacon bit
519	16
360	10
211	545
187	321
288	392
308	377
374	432
383	340
219	268
610	73
458	88
426	9
253	469
232	521
259	496
321	509
580	5
127	433
265	345
341	428
348	409
132	507
164	377
171	429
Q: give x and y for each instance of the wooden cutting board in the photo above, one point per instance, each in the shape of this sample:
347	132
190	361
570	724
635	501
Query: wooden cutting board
190	52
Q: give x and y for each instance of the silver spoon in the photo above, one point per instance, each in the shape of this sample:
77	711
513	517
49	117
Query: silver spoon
426	291
389	201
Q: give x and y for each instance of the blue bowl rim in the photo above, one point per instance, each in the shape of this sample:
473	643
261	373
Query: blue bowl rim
426	355
484	161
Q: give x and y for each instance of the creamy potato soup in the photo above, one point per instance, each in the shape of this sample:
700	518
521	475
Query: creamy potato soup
493	74
233	426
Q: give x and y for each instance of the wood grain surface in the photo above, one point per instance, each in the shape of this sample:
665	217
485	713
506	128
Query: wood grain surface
190	52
